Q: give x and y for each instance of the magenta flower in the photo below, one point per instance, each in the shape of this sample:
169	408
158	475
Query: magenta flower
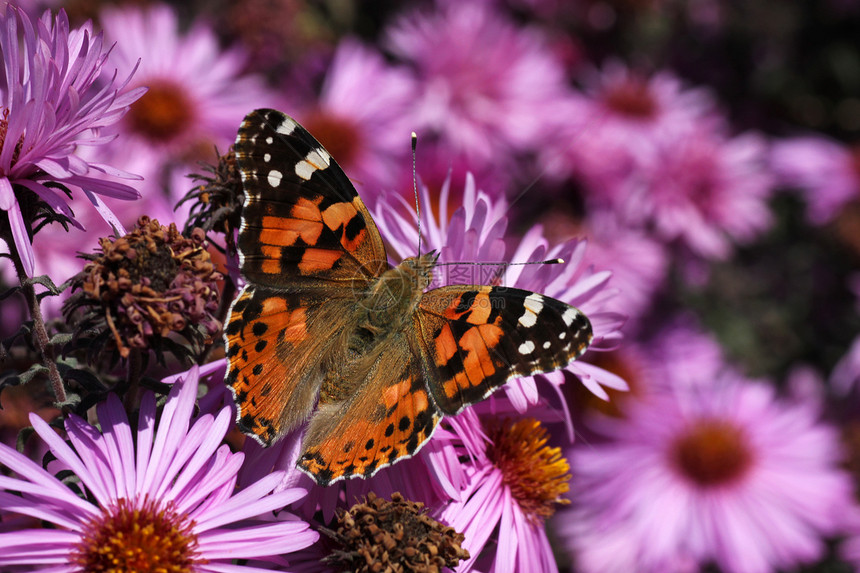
164	495
724	472
361	116
705	191
56	96
604	135
638	263
475	233
826	172
196	98
511	481
487	88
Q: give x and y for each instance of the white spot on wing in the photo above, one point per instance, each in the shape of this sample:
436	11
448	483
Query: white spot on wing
527	347
533	305
287	126
275	177
305	170
270	140
267	157
562	335
569	315
546	345
316	159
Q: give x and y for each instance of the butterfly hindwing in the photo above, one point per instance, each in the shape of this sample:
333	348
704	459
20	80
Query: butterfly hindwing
303	225
389	417
476	338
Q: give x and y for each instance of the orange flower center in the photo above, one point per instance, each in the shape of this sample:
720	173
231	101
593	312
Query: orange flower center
712	453
144	539
162	114
631	98
536	474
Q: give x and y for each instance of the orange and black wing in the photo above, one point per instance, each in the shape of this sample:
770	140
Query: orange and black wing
303	224
476	338
388	418
276	343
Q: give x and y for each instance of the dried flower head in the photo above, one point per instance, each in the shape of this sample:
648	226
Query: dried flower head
217	200
380	535
145	285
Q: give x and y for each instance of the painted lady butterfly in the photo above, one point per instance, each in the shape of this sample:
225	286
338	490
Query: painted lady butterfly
326	329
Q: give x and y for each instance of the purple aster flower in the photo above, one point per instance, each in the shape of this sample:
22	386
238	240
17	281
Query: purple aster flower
723	472
637	261
361	116
475	233
163	494
487	88
196	98
704	190
56	96
511	482
603	135
825	171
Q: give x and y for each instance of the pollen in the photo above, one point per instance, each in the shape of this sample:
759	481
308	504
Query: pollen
142	537
712	453
537	475
162	114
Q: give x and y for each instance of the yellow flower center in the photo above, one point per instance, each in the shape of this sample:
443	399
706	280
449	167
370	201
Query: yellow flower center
536	474
162	114
712	453
144	539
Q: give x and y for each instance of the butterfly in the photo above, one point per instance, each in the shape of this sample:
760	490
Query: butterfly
326	330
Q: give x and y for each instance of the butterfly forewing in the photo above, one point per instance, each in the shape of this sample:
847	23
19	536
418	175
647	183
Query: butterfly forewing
479	337
303	225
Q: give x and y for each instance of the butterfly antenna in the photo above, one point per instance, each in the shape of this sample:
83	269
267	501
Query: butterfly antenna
503	263
415	188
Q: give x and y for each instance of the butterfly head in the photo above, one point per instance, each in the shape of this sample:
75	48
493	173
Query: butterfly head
421	267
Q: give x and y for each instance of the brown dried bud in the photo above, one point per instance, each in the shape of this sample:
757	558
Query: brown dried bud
147	284
395	536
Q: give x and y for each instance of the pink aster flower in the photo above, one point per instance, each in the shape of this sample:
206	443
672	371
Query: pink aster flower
361	116
196	98
826	172
704	190
162	494
604	135
474	233
511	482
637	261
724	473
56	95
487	88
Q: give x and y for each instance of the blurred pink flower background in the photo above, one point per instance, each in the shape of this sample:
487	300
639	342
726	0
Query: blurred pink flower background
694	164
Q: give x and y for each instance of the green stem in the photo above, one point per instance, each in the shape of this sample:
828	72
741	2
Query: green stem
40	332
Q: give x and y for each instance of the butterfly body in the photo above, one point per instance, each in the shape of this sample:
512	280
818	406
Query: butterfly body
326	329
